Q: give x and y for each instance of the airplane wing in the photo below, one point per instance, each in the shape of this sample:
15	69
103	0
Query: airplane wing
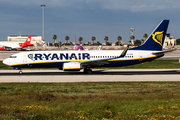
162	52
103	61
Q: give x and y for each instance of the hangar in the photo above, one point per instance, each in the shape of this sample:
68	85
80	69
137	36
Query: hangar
36	40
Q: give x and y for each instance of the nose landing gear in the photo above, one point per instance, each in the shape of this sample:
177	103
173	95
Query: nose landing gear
20	72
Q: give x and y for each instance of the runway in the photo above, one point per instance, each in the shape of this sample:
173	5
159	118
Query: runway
99	75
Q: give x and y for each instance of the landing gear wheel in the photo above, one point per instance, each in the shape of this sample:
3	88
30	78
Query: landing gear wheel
20	72
87	70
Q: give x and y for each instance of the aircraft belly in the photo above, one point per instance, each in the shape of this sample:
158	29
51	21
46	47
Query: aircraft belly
40	65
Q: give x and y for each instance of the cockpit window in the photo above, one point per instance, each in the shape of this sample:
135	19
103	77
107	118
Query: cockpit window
12	56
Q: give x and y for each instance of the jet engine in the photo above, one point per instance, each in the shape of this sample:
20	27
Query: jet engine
72	66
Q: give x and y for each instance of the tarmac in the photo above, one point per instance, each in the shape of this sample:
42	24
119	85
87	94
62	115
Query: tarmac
98	75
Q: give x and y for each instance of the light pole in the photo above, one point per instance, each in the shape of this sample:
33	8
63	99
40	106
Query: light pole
132	37
43	20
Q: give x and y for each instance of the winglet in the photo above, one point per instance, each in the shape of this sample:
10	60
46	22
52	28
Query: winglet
124	52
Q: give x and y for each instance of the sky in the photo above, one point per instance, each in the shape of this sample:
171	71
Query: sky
87	18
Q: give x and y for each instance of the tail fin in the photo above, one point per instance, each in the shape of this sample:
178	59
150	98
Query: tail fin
28	41
156	40
99	48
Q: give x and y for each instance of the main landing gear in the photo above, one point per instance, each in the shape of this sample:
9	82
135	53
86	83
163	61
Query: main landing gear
87	70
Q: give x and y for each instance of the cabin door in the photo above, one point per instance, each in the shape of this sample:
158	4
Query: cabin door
24	57
140	56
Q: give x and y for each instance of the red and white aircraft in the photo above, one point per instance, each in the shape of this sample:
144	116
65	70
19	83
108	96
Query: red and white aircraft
10	46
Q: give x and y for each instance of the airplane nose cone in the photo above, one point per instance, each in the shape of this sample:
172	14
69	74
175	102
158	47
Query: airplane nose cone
6	62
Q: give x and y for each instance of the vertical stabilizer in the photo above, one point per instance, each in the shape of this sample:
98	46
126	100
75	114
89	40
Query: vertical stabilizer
28	41
156	40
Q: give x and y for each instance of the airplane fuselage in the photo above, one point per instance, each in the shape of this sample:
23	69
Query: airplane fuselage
56	59
12	45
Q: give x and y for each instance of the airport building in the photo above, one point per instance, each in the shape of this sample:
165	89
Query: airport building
36	40
169	41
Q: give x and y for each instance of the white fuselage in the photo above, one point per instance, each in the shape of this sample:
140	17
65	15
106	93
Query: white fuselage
10	45
58	58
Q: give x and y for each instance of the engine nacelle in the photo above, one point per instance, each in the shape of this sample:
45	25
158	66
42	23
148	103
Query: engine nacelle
72	66
2	48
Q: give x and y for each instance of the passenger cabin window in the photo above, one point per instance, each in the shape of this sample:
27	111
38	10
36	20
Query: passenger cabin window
13	57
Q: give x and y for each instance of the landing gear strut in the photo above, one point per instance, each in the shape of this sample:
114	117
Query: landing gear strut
87	70
20	72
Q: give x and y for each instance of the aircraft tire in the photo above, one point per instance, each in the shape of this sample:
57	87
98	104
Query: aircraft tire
87	70
20	72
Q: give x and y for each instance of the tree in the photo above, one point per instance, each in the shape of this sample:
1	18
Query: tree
106	39
71	43
80	39
142	41
137	42
89	43
93	39
119	39
98	43
145	36
178	41
56	44
108	43
55	37
67	38
50	44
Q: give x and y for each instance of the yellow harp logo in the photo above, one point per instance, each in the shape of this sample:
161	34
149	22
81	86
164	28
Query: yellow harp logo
157	37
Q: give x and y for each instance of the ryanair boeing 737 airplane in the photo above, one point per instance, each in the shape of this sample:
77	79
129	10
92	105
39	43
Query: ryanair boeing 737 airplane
72	60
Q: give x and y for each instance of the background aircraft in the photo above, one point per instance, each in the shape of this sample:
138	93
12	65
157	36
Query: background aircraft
74	60
77	47
15	46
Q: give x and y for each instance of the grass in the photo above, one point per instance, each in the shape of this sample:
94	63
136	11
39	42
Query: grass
156	64
90	101
93	101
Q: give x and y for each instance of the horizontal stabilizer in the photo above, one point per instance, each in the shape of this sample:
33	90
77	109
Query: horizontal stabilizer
162	52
